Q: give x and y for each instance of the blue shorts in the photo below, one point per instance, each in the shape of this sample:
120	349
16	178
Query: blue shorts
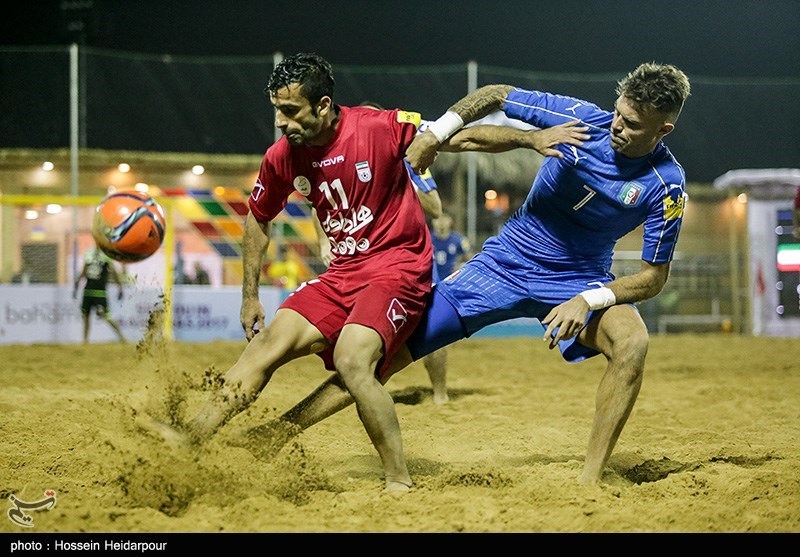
491	288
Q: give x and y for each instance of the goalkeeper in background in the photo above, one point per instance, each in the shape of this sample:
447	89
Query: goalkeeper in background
98	268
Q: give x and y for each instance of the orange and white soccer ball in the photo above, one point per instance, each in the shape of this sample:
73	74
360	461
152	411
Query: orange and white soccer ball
129	226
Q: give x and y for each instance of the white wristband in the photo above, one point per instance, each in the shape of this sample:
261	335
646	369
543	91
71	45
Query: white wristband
447	124
599	298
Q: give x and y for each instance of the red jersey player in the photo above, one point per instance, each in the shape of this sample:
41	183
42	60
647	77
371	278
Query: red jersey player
348	162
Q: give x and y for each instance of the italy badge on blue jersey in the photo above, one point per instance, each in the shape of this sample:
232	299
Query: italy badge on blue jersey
630	193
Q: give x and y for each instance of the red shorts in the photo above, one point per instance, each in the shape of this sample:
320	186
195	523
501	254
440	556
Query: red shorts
390	304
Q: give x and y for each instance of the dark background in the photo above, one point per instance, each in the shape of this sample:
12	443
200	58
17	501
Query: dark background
703	37
159	75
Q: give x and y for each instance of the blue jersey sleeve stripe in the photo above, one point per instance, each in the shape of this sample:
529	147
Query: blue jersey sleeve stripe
669	227
565	116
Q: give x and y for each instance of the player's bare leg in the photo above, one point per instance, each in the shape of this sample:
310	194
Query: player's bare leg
86	318
436	365
326	400
357	353
621	335
266	440
114	325
330	397
289	336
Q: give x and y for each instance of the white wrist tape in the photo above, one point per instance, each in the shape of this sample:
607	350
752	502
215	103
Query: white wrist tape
599	298
447	124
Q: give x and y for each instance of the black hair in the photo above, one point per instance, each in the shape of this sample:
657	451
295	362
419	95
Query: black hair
311	71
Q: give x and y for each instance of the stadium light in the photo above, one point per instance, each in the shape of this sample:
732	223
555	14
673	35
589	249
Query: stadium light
198	169
124	167
47	166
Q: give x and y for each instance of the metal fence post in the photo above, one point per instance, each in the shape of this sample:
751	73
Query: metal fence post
472	166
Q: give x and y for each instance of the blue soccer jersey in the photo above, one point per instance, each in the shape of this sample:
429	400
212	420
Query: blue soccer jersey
581	205
446	252
561	240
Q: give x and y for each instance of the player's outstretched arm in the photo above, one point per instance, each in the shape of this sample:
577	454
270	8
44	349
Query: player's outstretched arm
254	247
481	102
498	139
544	141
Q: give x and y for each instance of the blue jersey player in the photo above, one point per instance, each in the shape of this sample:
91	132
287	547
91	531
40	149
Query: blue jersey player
450	249
552	259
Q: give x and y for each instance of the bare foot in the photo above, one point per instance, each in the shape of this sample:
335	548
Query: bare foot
397	487
587	479
168	434
440	398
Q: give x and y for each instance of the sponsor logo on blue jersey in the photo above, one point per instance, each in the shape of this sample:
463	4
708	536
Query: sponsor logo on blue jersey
673	206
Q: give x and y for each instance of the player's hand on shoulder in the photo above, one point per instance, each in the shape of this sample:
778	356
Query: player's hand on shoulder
422	152
570	133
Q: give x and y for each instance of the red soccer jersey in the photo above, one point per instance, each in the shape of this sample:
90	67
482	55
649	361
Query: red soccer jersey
359	187
797	199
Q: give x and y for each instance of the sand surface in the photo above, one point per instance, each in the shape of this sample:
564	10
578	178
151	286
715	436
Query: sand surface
713	444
